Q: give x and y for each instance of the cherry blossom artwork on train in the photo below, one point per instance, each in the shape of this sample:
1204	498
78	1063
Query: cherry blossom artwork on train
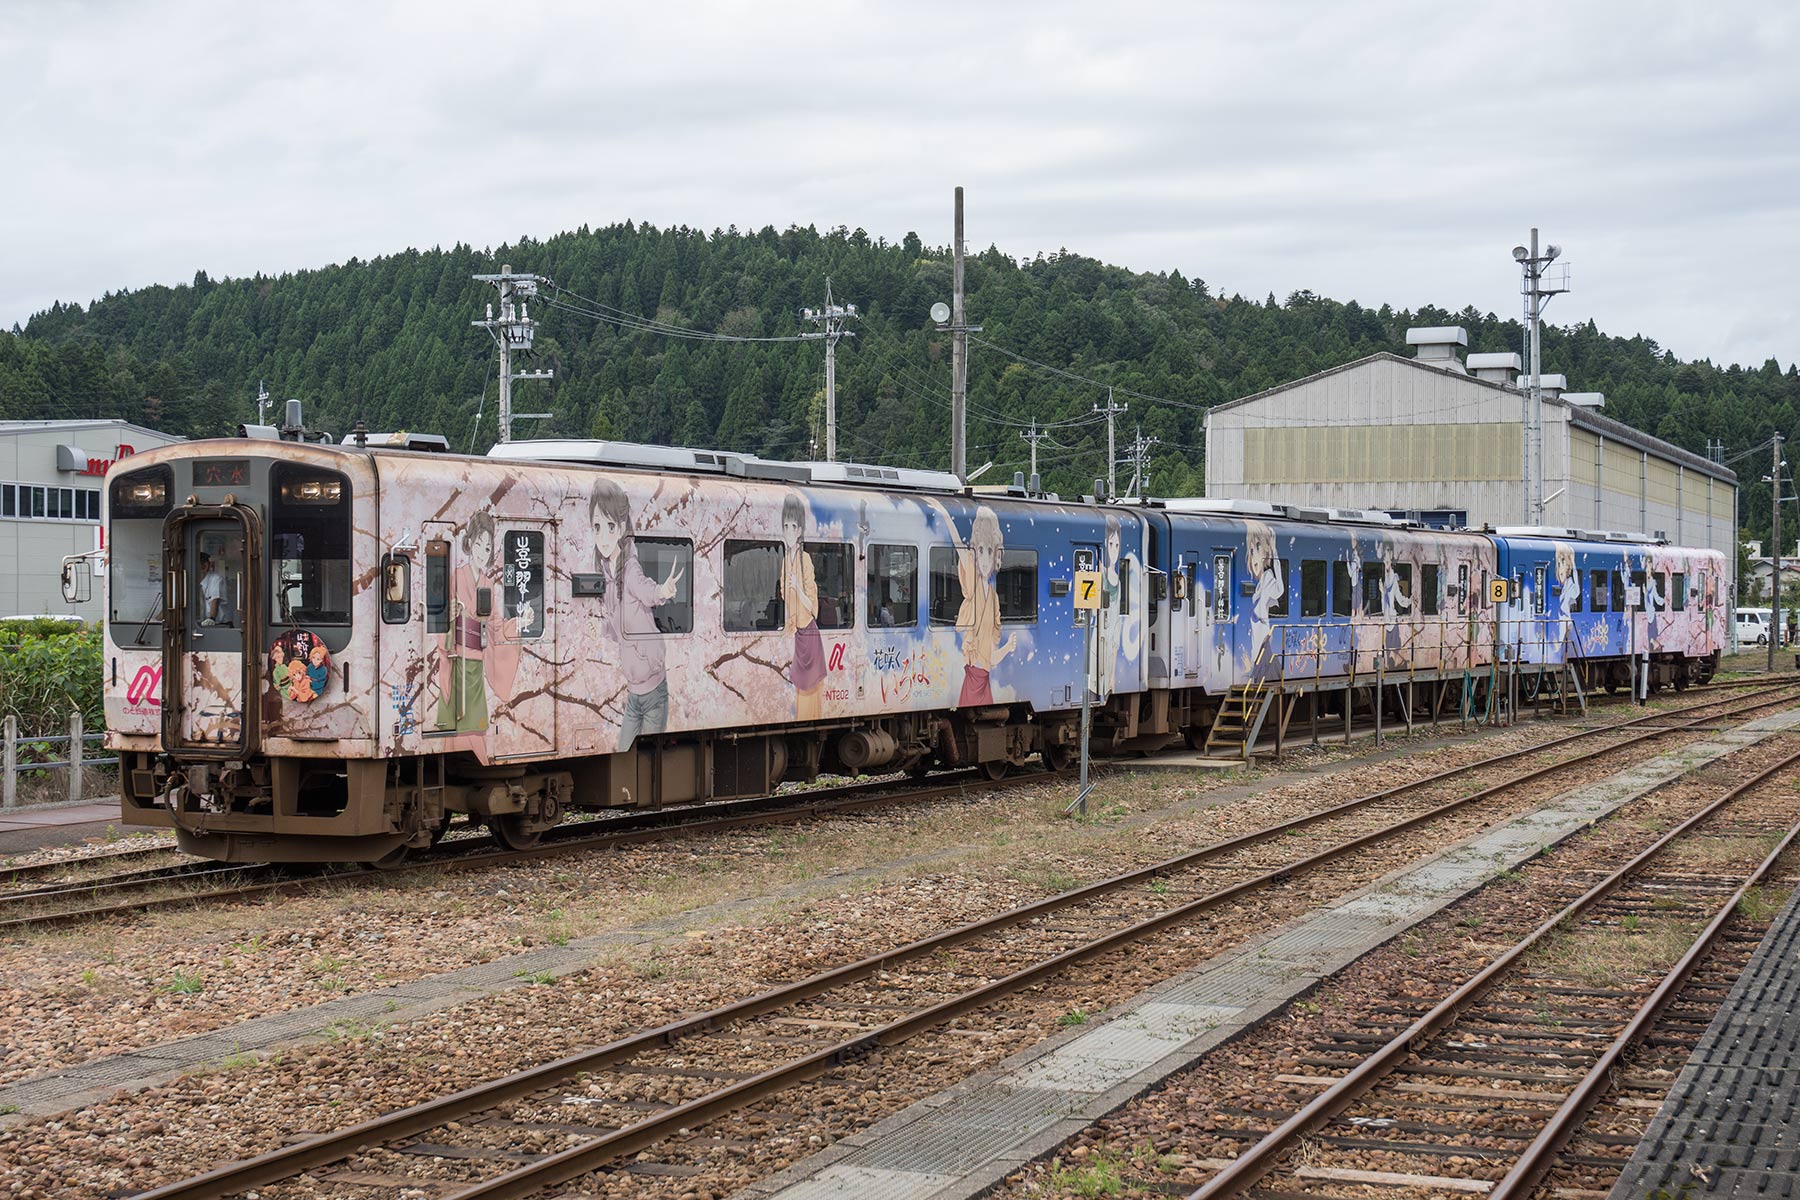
349	647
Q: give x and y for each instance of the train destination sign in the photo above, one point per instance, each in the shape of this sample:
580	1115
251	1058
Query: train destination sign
221	472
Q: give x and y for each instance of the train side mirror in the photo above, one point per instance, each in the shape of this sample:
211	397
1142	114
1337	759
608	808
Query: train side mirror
77	580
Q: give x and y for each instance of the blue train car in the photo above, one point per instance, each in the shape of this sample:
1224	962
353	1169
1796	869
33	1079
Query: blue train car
1614	604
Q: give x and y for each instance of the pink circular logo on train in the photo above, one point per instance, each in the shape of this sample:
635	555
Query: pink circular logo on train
300	666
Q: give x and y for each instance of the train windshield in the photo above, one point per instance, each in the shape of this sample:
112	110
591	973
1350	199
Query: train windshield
309	547
136	506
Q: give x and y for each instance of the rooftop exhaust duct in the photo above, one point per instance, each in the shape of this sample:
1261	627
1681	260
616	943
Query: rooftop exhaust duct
1503	369
1440	346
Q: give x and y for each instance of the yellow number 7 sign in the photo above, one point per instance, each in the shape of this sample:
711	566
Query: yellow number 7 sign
1087	589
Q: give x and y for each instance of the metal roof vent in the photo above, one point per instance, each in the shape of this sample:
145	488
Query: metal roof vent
1585	399
1502	369
1440	346
1549	386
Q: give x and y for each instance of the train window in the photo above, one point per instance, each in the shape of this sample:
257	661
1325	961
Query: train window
1403	586
662	559
1124	586
946	586
1343	590
1618	591
893	586
753	600
834	574
1597	590
1373	574
1017	583
309	546
1678	593
1429	589
396	589
1279	606
437	586
1660	599
522	581
1193	587
1639	601
1312	587
135	547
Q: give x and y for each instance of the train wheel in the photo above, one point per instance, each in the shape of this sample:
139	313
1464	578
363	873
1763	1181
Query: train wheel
995	769
509	830
1059	758
394	859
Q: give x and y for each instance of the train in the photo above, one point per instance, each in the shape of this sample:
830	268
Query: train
322	651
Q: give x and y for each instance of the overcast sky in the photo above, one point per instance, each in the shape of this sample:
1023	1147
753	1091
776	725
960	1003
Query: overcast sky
1380	152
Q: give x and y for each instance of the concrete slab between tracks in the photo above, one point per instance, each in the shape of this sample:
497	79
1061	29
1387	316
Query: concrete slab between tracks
1728	1126
969	1138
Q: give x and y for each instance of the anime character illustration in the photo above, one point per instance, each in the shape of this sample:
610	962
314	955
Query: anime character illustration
1265	569
1654	603
299	666
1568	596
979	617
629	611
1106	634
278	669
1396	608
800	593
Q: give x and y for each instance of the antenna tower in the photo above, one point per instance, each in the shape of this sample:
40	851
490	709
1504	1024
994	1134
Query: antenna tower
512	330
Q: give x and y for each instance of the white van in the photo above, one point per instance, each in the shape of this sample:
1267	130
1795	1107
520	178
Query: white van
1753	626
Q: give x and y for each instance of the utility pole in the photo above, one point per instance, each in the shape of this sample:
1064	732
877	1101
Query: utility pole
952	318
1537	293
262	402
1034	436
1140	463
959	358
512	330
830	320
1775	553
1112	454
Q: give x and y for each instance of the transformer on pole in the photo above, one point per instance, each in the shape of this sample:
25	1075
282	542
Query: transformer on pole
512	330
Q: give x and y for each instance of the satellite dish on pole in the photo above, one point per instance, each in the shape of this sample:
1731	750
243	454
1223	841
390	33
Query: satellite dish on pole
940	312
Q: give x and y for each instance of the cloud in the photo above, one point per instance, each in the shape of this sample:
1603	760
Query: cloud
1382	152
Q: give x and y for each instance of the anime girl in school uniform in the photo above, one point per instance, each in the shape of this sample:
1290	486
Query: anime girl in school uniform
800	592
475	646
629	608
979	617
1265	569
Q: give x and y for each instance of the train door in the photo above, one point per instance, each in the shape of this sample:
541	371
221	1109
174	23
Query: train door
212	585
521	662
445	702
1086	557
1224	609
1185	620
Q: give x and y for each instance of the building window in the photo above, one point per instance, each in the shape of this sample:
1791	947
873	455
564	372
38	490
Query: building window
24	500
8	500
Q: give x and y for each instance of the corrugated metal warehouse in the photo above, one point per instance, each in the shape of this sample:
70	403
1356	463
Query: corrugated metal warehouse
1439	439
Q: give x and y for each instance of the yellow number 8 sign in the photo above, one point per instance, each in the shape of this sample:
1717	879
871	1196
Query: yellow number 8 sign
1087	589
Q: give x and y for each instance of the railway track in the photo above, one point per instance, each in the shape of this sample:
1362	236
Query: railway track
523	1133
193	881
1481	1092
190	882
200	881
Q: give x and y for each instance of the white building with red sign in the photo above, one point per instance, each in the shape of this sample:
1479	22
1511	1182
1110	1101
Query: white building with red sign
50	504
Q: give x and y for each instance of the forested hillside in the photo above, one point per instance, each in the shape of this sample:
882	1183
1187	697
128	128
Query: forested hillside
389	340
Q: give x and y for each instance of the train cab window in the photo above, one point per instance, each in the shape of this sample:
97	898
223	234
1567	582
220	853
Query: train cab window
753	601
662	559
1618	592
1597	590
522	581
139	501
1638	590
1312	587
893	587
946	586
1678	592
309	546
1429	589
1343	590
834	575
1279	606
1373	574
1017	583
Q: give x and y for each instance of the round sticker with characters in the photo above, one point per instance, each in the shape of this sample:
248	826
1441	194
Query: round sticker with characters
300	666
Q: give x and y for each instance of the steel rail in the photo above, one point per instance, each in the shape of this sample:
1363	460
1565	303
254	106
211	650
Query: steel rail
330	1147
1259	1160
1540	1156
